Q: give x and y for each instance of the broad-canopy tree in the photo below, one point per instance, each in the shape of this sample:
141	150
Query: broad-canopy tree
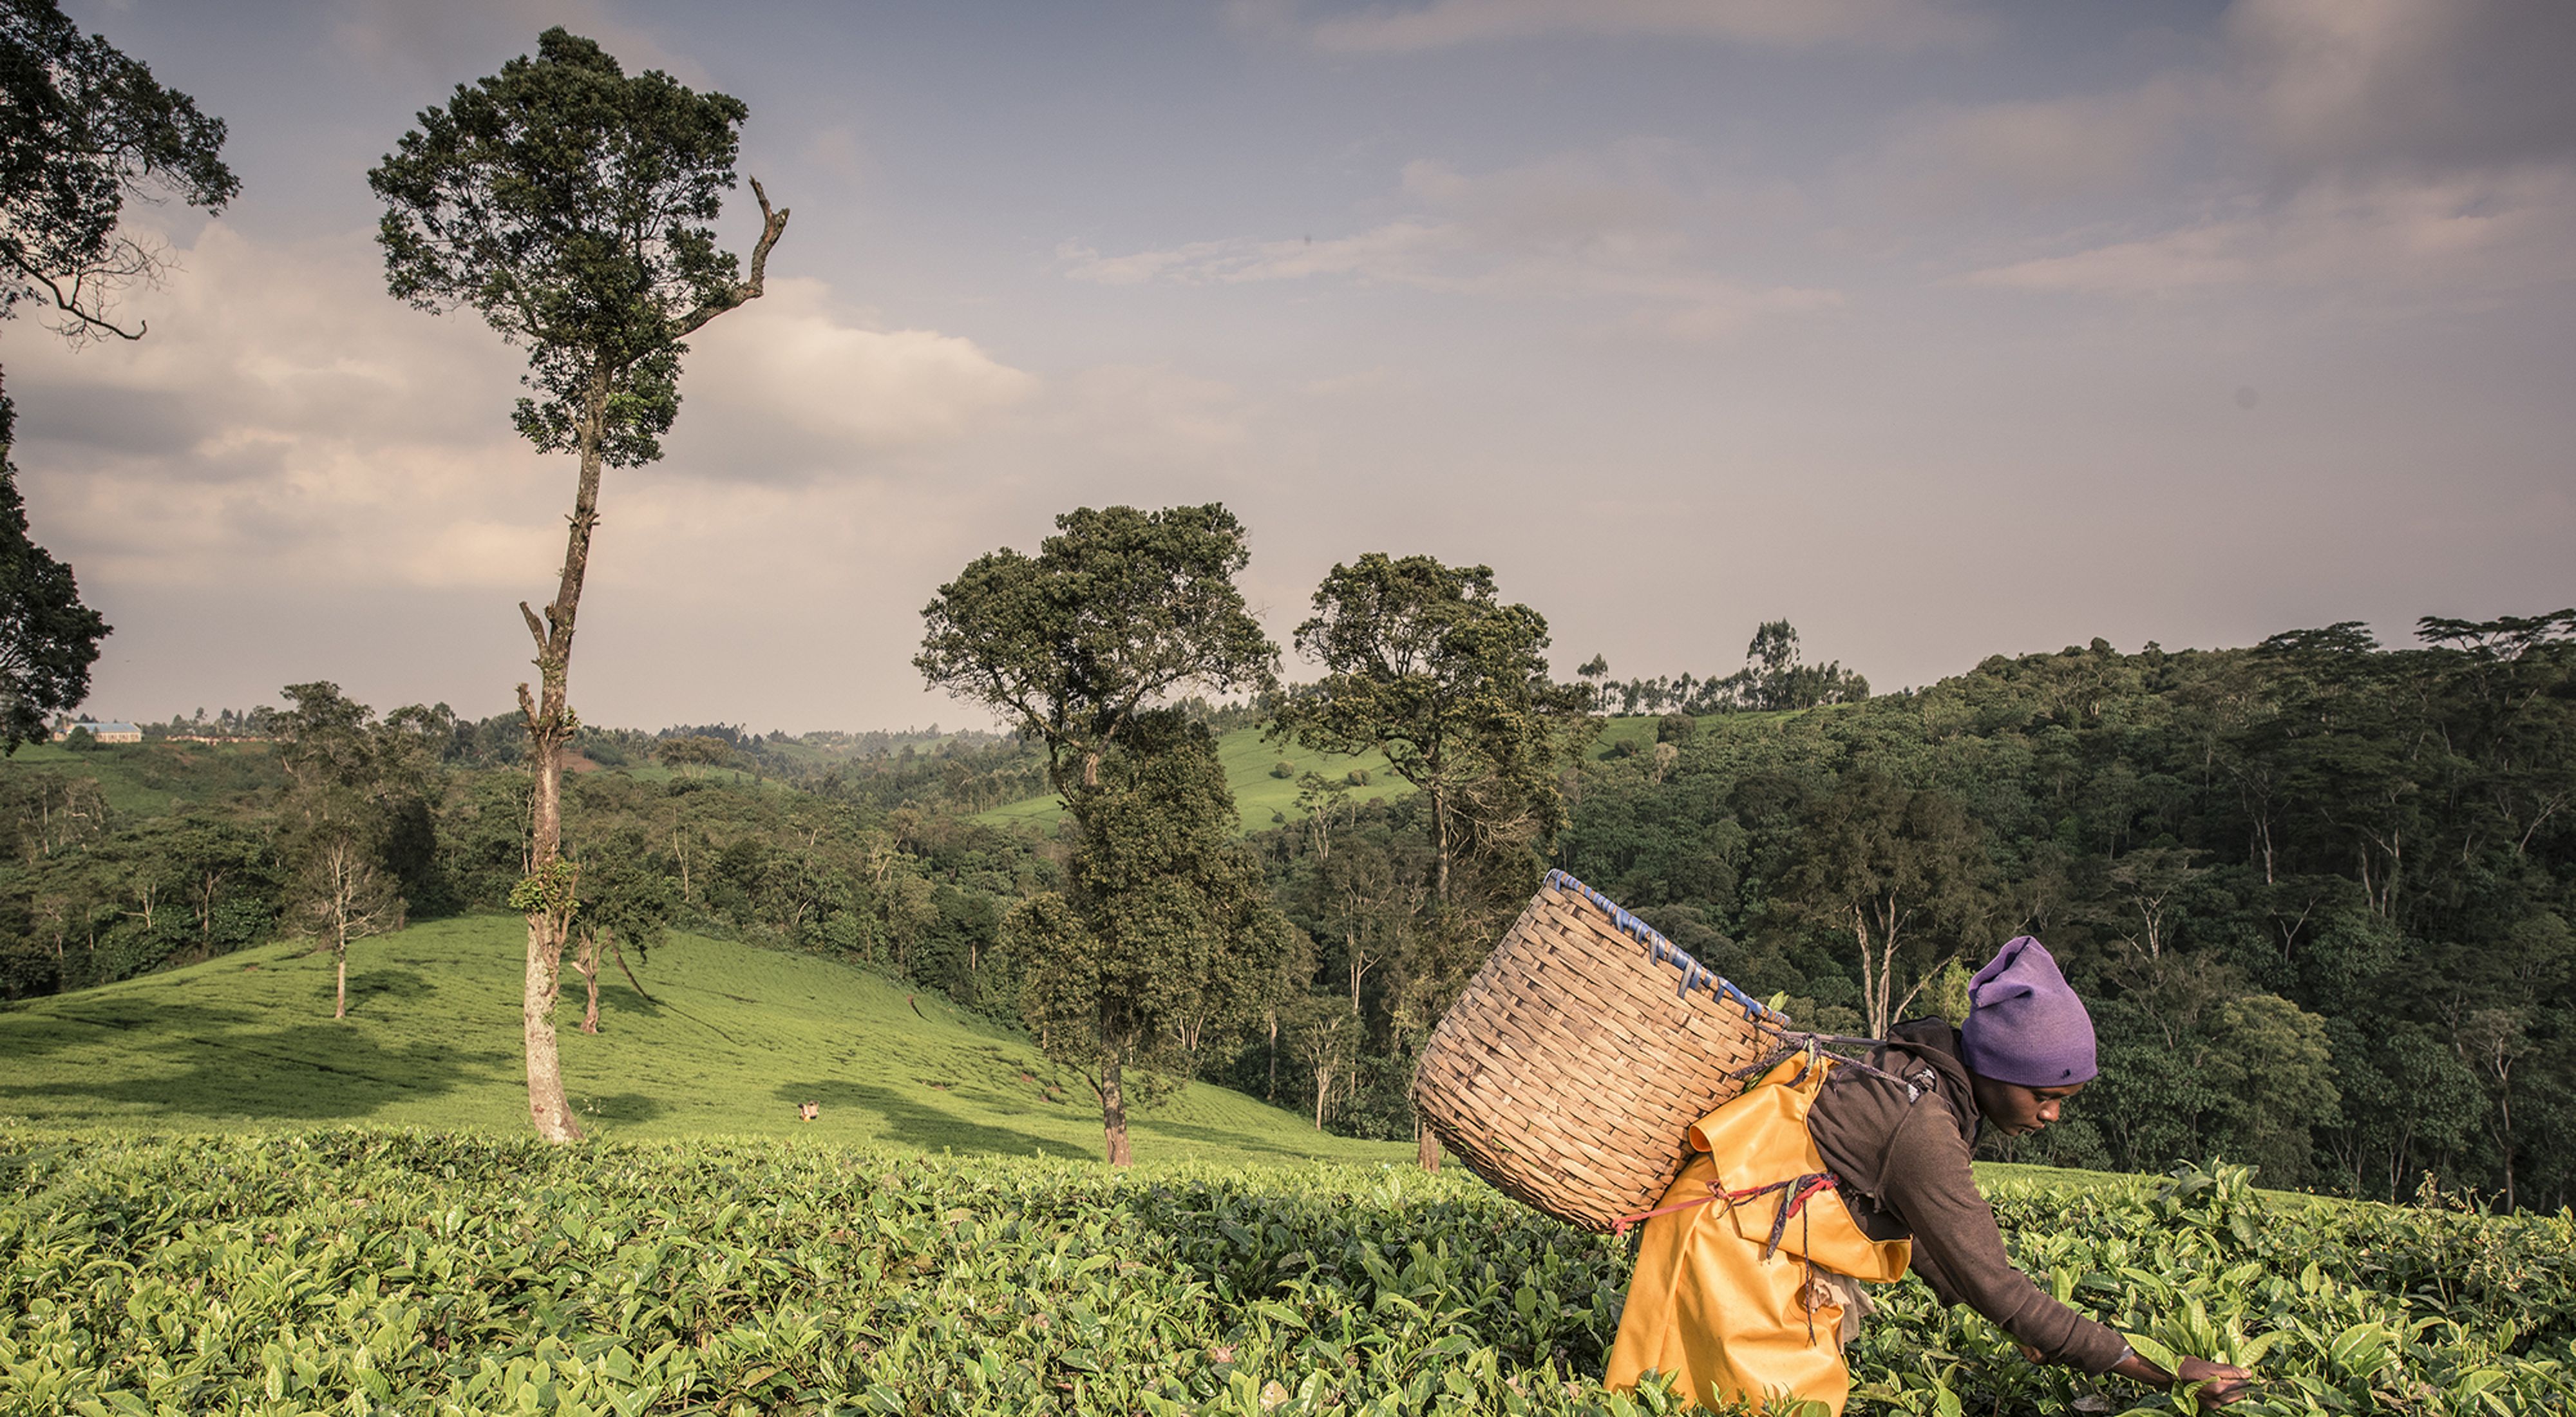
1117	610
1164	929
1076	646
82	127
568	204
1426	664
693	753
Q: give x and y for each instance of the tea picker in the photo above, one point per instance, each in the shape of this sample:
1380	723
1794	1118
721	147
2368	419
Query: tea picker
1599	1074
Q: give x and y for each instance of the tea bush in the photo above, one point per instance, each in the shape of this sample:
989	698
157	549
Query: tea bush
369	1271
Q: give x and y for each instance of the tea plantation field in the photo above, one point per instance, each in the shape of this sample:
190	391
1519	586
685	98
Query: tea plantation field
215	1198
380	1271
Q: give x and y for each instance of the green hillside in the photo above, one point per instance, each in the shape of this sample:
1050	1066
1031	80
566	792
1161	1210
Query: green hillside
733	1039
151	779
1264	801
1249	764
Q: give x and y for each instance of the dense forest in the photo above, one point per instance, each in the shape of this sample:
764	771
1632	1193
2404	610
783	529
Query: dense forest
2317	891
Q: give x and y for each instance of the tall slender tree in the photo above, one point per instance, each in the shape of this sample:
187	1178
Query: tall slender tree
568	204
1895	868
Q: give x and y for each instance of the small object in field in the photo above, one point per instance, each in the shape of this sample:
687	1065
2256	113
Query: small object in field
809	1110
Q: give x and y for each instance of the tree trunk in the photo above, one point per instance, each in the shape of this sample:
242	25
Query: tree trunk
618	953
550	727
1868	979
547	1105
1426	1146
1113	1113
1439	841
587	961
340	967
1273	1094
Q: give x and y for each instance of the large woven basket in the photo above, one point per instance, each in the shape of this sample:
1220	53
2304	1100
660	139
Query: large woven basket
1569	1072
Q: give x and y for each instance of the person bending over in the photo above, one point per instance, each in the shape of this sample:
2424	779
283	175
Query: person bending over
1823	1176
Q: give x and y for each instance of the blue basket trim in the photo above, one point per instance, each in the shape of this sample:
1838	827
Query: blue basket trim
1694	975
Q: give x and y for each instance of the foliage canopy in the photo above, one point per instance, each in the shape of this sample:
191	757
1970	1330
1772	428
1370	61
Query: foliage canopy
568	205
83	127
1426	664
1119	608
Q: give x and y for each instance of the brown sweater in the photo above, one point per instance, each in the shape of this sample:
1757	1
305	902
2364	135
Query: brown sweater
1904	1168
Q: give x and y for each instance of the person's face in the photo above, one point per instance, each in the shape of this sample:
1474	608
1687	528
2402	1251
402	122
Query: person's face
2018	1111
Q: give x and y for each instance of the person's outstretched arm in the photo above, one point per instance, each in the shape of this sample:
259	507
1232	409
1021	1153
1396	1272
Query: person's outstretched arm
1959	1250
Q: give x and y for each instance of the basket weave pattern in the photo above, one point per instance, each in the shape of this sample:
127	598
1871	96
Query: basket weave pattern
1569	1072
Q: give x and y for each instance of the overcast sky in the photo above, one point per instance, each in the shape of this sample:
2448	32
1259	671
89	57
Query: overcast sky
1938	329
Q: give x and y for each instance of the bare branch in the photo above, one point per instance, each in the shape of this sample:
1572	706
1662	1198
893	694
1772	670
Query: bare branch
773	220
537	632
772	223
69	303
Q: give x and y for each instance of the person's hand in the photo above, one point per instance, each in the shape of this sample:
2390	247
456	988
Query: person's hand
2223	1382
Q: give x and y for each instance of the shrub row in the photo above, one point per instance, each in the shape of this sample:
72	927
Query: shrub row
371	1272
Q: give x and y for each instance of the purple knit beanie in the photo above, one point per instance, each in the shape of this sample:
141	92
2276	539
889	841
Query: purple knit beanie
2025	1026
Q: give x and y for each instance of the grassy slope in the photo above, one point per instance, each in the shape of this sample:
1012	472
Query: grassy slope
734	1039
1248	760
1248	763
153	779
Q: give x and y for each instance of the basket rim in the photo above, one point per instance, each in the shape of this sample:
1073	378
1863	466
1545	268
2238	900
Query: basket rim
1695	975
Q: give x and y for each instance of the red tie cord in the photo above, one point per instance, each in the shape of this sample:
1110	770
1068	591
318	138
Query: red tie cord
1807	1187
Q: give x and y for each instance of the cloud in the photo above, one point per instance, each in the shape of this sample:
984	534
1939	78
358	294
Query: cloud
1152	415
2476	233
1893	24
1952	158
1627	227
255	347
813	390
2390	149
2414	82
284	414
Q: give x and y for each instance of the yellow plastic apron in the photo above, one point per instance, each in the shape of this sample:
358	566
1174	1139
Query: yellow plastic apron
1708	1307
